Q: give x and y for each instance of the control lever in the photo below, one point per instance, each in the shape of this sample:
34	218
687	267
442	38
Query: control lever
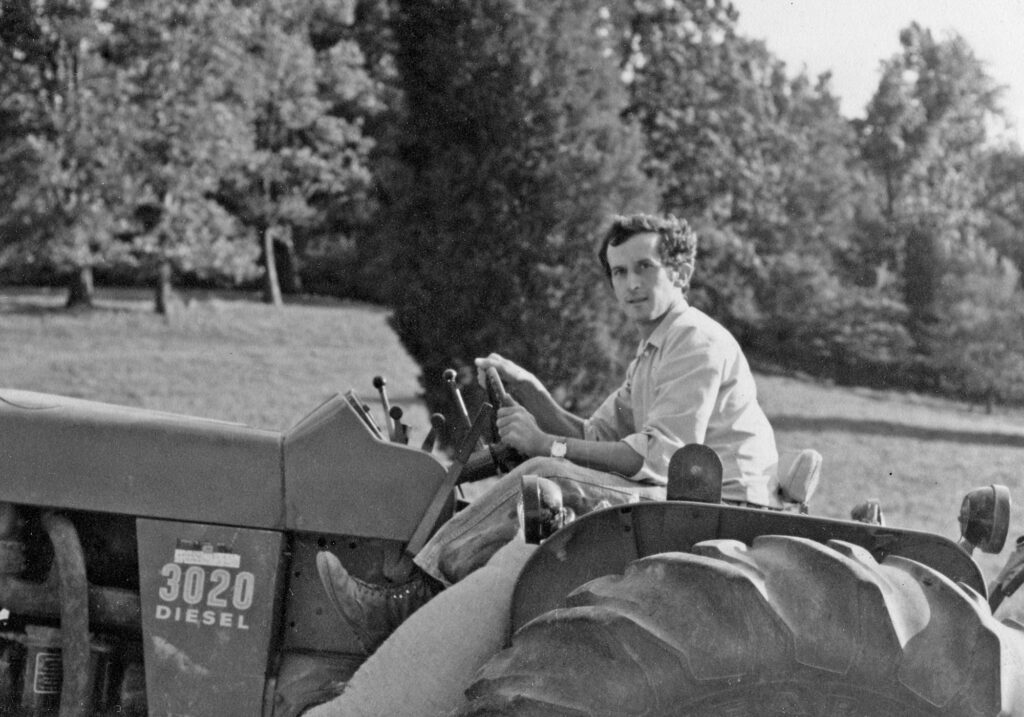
379	383
443	495
1010	578
436	428
460	405
450	378
401	430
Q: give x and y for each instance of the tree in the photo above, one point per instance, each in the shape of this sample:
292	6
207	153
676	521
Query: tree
819	324
513	155
979	347
925	137
175	64
309	154
56	109
1003	203
763	163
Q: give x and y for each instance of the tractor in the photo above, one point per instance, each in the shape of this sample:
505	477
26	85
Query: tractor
160	564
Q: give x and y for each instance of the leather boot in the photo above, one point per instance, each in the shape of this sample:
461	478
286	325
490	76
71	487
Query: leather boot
372	610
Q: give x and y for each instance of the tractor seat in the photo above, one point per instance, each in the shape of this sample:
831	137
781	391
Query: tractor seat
799	479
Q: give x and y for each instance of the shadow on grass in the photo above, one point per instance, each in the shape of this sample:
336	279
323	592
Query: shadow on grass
896	430
29	308
50	300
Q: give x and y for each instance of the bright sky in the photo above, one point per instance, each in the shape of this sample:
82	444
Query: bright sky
851	38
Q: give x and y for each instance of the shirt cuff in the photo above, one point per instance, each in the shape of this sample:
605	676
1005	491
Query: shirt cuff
638	442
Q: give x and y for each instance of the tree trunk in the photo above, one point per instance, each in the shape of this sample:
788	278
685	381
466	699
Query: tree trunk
164	290
80	289
271	287
287	267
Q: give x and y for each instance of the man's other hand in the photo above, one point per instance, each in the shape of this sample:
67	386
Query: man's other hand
518	428
511	373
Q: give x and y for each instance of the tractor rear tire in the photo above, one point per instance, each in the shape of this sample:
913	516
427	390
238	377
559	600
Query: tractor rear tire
787	626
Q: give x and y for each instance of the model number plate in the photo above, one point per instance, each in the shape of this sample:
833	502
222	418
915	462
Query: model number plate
205	596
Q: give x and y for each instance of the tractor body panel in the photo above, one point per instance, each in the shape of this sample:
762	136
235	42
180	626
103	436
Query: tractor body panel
340	473
604	542
210	598
199	540
84	455
330	470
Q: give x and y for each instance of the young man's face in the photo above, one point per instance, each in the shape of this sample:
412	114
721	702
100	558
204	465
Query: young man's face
644	287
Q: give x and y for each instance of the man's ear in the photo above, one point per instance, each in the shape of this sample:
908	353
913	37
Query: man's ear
683	274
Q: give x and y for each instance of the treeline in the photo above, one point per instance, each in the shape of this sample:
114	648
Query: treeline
456	159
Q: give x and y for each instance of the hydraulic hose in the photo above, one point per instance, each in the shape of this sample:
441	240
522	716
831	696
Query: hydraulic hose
73	588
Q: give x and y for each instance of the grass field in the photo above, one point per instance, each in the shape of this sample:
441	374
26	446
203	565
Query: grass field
228	357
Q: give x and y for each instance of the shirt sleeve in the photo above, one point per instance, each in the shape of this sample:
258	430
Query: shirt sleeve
686	382
613	419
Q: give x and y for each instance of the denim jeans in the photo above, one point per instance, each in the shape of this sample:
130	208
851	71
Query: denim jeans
474	534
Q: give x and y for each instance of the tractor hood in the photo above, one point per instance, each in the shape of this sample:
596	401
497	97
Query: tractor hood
330	473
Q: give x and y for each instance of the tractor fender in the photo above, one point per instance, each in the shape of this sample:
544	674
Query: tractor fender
606	541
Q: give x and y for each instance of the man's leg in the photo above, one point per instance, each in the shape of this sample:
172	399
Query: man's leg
466	542
473	535
469	539
424	667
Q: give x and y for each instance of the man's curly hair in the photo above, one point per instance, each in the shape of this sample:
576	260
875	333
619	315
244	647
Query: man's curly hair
677	243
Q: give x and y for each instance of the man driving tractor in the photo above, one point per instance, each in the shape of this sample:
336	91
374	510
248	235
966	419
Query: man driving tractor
689	383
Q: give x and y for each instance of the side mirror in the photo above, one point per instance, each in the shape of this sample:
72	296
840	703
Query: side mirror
543	511
985	519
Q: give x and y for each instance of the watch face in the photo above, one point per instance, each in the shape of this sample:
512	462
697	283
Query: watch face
558	449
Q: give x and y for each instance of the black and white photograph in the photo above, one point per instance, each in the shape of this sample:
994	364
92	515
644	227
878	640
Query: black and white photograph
511	358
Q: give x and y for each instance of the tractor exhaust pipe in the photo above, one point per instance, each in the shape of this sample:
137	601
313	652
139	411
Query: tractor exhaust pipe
73	588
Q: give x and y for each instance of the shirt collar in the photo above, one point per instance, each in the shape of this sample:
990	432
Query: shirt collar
657	337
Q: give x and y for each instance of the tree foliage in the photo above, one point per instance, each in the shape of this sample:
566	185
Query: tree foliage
175	64
514	155
979	349
58	117
159	134
1002	202
925	136
766	166
458	159
307	163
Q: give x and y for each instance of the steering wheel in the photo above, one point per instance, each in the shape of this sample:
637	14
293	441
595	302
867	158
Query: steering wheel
497	457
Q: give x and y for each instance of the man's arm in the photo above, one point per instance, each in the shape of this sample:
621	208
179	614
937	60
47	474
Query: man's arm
518	428
527	389
537	421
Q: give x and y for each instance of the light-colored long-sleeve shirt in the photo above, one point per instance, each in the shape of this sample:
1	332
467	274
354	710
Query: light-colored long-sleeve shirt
690	383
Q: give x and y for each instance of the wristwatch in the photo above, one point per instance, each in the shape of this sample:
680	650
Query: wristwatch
558	448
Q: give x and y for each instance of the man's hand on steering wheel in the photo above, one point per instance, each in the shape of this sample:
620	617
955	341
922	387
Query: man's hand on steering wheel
510	372
518	428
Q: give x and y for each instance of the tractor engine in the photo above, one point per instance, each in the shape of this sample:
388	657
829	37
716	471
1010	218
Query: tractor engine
163	564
